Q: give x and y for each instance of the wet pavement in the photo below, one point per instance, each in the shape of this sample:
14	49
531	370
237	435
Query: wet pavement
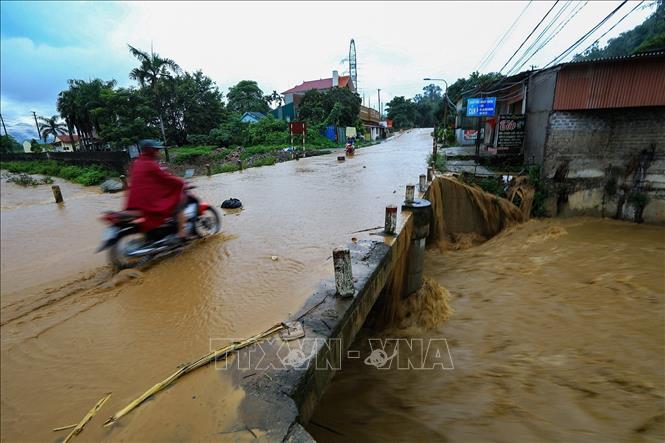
71	331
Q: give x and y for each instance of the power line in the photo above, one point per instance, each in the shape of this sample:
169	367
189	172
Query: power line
559	29
490	54
605	33
529	36
572	47
540	36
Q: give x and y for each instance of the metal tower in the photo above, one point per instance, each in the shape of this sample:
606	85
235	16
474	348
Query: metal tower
353	66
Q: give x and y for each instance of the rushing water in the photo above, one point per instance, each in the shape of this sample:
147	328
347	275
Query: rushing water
558	334
71	332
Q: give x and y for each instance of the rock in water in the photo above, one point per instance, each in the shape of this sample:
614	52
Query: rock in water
112	185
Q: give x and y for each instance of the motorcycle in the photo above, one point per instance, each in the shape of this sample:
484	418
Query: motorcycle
128	246
350	149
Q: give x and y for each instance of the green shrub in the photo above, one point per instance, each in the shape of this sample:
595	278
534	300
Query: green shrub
226	167
199	139
265	161
84	175
188	154
439	162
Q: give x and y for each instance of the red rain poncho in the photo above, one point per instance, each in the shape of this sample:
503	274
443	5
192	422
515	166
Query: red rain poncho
153	191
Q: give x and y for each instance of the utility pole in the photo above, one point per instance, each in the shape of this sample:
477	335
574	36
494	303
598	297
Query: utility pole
39	134
3	124
379	95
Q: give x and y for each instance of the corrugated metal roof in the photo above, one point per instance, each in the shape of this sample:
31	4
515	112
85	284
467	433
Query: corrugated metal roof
604	83
639	55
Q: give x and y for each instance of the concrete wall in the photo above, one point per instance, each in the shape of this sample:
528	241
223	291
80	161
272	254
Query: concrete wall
593	146
540	97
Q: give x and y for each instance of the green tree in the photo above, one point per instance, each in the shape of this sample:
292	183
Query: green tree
402	111
339	106
8	144
150	73
125	116
192	105
76	104
246	96
274	99
647	36
230	132
50	126
429	105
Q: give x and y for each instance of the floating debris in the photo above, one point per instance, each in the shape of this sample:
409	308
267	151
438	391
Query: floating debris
79	427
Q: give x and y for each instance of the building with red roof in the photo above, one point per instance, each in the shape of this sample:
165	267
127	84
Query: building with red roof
295	94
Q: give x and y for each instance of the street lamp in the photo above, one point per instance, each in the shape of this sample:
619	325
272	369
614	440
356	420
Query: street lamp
445	97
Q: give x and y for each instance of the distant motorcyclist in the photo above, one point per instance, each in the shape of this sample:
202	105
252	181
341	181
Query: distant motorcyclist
153	191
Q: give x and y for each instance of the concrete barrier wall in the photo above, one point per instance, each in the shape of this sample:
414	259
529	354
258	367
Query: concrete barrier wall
281	399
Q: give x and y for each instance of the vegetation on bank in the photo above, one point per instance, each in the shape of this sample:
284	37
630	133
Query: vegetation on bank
24	179
83	175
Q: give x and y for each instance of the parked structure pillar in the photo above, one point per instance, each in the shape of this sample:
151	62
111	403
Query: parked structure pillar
420	213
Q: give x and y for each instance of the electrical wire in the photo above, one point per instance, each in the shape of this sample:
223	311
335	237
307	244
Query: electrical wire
605	33
490	54
541	36
572	47
480	87
543	39
570	17
529	36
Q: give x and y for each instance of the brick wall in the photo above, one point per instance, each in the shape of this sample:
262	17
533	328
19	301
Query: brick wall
599	146
592	140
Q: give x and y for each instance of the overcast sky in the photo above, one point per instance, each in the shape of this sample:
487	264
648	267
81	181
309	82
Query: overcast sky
278	44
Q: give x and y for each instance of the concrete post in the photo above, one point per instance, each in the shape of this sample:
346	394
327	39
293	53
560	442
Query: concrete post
430	173
343	272
57	194
123	179
239	165
421	213
422	182
208	170
391	220
410	194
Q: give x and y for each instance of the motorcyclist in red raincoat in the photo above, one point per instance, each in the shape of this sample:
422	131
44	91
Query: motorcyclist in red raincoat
153	191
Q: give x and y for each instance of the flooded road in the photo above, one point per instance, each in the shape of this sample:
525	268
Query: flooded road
71	333
557	334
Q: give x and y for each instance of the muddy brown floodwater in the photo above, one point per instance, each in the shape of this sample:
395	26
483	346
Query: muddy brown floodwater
558	334
71	332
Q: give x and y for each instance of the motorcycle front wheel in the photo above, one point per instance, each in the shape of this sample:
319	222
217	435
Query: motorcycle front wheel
207	223
118	252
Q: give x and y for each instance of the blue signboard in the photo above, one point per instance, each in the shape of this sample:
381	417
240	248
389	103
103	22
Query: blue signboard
481	107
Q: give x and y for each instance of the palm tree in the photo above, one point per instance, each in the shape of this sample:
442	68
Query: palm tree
66	106
153	68
51	126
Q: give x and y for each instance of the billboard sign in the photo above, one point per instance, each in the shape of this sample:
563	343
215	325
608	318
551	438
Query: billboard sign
511	132
472	134
481	107
297	127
